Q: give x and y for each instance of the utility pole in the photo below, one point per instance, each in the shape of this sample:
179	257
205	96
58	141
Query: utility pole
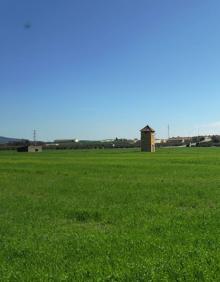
34	136
168	131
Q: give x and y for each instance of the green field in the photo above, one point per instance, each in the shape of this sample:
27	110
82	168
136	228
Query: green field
110	215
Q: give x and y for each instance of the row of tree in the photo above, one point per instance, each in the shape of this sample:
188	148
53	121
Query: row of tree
117	143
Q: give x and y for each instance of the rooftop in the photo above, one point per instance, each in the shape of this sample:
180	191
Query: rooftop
147	129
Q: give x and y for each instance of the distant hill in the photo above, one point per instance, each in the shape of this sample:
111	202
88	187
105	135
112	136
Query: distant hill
5	140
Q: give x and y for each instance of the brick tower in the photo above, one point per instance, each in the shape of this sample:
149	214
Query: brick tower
147	139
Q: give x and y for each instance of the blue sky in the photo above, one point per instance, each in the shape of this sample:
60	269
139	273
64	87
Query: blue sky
95	69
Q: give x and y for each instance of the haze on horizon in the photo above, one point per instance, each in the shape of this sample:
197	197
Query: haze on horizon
100	69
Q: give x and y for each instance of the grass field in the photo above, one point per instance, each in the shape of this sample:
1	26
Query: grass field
110	215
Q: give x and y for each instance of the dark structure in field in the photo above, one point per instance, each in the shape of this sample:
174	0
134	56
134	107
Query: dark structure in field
147	139
30	149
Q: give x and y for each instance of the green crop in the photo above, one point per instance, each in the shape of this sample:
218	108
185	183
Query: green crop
110	215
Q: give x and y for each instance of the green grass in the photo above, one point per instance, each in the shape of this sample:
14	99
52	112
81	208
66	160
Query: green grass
110	215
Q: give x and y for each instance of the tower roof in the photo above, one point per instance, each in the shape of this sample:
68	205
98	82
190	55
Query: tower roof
147	129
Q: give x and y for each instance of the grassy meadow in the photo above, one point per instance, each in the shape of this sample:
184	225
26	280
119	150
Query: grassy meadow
110	215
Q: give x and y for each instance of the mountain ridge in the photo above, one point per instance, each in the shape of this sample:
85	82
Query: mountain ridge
5	140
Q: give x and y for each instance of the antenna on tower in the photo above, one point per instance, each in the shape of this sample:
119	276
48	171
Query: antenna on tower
34	136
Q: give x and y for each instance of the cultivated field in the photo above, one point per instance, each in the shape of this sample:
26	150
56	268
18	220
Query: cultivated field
110	215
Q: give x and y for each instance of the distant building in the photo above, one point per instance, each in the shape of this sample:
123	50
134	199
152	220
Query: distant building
51	144
179	141
147	139
30	149
65	141
160	141
176	141
109	140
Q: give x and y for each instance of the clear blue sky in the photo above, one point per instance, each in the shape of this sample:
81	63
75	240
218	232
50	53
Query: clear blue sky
94	69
